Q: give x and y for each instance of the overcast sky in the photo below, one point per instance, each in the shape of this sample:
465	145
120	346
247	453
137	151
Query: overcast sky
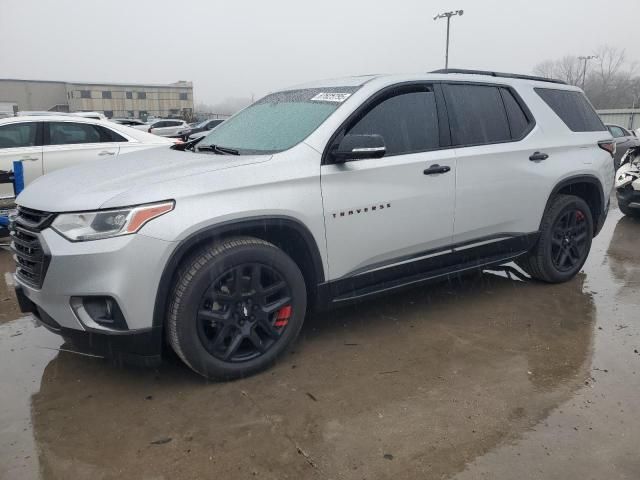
237	48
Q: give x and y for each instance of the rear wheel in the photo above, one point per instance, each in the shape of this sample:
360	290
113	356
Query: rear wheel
564	242
235	307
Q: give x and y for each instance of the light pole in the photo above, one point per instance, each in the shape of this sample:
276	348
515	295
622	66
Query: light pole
585	59
448	16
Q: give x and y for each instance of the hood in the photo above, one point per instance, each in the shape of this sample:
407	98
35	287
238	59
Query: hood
90	186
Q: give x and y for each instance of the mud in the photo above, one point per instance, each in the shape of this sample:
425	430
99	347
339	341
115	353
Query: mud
487	376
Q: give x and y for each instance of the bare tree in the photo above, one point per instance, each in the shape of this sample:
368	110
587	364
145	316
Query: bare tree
610	82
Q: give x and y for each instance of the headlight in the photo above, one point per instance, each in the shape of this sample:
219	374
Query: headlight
79	227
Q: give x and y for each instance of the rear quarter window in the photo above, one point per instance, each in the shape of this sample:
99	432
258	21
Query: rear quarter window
573	108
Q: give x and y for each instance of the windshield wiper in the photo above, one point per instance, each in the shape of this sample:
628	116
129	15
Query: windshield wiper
218	150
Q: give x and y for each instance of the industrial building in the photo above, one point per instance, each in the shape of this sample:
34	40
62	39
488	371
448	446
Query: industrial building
113	99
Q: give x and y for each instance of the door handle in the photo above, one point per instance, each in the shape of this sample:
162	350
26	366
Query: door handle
435	169
537	157
105	152
30	159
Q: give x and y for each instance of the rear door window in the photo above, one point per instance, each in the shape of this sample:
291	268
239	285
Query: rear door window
573	108
17	135
477	115
519	121
408	122
69	133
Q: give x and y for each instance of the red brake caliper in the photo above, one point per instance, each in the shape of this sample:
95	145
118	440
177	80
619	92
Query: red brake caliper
579	216
283	316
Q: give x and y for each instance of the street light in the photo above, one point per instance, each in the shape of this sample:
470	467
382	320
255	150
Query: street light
584	69
448	16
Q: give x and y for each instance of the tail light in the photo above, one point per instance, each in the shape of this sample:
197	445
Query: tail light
609	146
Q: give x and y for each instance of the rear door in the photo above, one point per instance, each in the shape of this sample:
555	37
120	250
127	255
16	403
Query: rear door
383	216
499	190
68	143
20	141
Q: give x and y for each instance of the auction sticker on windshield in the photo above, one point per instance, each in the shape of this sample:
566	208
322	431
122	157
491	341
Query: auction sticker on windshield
331	97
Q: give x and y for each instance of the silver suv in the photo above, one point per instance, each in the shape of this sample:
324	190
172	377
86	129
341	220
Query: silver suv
312	197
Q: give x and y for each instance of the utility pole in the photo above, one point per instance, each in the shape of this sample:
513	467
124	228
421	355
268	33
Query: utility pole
585	59
448	16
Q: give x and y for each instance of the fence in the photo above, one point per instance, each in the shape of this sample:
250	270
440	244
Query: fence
625	117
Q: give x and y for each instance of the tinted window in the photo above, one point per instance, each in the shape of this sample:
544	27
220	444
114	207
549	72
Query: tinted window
18	135
518	121
67	133
477	115
160	125
573	108
408	123
213	123
174	124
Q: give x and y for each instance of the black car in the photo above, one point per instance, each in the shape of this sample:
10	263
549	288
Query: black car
202	127
624	140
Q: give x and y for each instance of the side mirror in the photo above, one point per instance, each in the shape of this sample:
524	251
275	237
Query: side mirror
358	147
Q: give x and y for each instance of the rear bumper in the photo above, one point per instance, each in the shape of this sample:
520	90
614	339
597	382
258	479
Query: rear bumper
139	347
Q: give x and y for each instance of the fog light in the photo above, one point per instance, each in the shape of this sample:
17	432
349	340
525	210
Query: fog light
102	310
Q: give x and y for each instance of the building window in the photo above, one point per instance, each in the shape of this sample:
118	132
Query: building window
174	111
129	95
130	114
142	95
85	93
184	96
108	113
106	94
143	115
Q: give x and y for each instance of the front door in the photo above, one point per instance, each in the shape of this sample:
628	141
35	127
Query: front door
386	215
74	143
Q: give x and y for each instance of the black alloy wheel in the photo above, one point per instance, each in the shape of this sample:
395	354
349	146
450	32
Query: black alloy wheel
244	312
569	240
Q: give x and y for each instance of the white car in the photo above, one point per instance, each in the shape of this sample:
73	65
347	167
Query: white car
45	143
317	196
165	128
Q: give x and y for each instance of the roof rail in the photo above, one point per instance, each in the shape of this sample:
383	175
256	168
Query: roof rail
499	74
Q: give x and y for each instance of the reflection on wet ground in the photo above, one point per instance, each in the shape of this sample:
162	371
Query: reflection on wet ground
483	377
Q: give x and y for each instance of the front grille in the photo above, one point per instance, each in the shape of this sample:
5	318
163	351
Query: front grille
31	258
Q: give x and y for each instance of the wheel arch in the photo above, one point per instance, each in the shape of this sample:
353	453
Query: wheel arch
287	233
587	187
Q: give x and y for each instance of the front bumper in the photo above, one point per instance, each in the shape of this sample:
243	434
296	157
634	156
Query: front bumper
629	196
140	347
126	269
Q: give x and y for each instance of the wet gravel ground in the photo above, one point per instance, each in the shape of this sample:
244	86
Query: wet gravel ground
483	377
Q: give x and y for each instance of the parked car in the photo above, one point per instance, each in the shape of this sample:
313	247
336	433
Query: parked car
205	126
46	143
628	183
624	140
130	122
166	128
92	115
222	248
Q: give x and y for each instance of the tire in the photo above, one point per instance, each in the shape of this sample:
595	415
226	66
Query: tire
215	301
545	260
628	211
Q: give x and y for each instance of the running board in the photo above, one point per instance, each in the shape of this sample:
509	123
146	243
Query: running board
415	280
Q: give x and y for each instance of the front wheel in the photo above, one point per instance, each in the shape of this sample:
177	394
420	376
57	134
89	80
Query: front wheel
235	307
564	243
627	210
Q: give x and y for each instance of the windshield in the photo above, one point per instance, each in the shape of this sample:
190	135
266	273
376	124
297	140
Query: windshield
278	121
